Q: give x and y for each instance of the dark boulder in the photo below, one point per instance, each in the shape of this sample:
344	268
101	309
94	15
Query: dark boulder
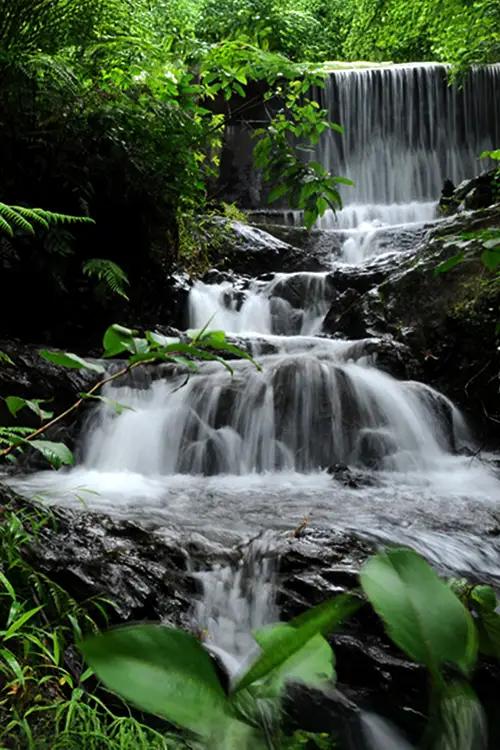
470	195
233	245
446	320
373	447
147	574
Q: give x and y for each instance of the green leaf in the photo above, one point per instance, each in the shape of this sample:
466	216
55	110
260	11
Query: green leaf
13	664
16	403
57	454
116	406
4	357
163	671
485	597
108	272
491	259
312	665
277	192
495	154
421	613
67	359
448	264
7	584
17	624
118	339
283	643
343	181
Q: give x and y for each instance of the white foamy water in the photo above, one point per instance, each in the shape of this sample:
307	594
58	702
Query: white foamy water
237	600
380	734
406	131
290	303
229	455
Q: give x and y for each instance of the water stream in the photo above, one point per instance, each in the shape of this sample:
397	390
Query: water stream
228	456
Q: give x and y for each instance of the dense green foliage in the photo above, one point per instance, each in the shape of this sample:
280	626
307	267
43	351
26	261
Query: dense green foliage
116	111
44	703
48	697
455	31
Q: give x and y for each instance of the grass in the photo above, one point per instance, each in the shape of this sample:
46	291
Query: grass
45	698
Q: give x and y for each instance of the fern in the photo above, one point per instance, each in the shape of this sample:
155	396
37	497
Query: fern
24	219
5	359
109	273
13	435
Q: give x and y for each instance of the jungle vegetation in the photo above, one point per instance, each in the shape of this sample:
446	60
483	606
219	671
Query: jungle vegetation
116	111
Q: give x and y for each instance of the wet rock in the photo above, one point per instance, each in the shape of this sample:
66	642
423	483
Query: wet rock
346	317
393	356
447	321
470	195
349	477
147	574
303	290
342	473
244	249
32	377
374	446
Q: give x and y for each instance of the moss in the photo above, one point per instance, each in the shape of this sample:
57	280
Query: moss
478	296
203	239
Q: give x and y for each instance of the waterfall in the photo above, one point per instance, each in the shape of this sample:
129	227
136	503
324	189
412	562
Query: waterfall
237	599
289	304
406	130
302	412
381	735
228	455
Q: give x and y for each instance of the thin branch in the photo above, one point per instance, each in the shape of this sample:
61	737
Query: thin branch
41	430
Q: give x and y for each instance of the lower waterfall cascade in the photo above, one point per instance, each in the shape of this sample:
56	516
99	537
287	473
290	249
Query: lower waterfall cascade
230	455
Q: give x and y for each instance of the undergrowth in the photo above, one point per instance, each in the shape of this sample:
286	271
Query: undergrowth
49	699
203	239
46	701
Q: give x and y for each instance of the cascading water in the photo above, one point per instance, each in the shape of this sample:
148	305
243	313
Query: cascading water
406	130
232	454
237	600
264	307
227	456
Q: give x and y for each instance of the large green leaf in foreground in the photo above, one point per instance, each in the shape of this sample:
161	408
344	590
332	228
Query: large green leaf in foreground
421	613
163	671
283	642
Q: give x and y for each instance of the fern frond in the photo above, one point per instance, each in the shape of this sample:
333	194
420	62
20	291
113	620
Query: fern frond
13	436
31	215
15	219
109	273
6	227
55	218
23	219
59	241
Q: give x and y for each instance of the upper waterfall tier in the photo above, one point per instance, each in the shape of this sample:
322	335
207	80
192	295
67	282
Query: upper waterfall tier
406	129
